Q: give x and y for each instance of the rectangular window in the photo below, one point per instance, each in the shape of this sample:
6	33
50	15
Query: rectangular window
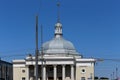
82	78
23	78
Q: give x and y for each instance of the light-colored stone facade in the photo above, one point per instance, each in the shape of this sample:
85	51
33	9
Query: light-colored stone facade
55	68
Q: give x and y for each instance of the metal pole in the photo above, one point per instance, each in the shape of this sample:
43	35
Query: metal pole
116	73
36	51
0	69
42	60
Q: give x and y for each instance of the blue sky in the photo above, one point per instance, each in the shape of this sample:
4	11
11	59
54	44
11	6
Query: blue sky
93	26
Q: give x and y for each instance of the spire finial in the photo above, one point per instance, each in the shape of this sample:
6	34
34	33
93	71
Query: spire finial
58	16
58	25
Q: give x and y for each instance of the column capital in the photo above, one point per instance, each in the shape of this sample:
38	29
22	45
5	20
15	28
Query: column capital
63	64
55	65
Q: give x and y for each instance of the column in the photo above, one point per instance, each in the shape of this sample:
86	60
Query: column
63	72
44	72
55	72
72	72
27	73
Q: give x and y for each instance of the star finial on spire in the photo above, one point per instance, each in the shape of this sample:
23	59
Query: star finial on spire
58	5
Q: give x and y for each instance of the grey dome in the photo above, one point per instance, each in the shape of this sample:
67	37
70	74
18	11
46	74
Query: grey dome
59	45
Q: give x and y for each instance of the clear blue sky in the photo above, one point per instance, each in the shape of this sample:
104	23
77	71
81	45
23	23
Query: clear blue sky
92	25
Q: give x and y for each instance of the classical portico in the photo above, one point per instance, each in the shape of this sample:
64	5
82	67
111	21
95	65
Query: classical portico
54	68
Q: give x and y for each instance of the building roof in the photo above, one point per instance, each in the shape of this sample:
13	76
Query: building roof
4	62
58	45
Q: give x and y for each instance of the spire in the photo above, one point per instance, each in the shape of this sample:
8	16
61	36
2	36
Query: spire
58	25
58	14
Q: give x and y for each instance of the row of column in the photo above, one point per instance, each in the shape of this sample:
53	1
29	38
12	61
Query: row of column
55	72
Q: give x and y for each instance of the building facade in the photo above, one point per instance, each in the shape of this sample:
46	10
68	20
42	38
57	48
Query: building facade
6	70
59	61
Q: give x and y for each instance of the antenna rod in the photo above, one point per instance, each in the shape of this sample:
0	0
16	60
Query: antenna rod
116	73
36	51
42	54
